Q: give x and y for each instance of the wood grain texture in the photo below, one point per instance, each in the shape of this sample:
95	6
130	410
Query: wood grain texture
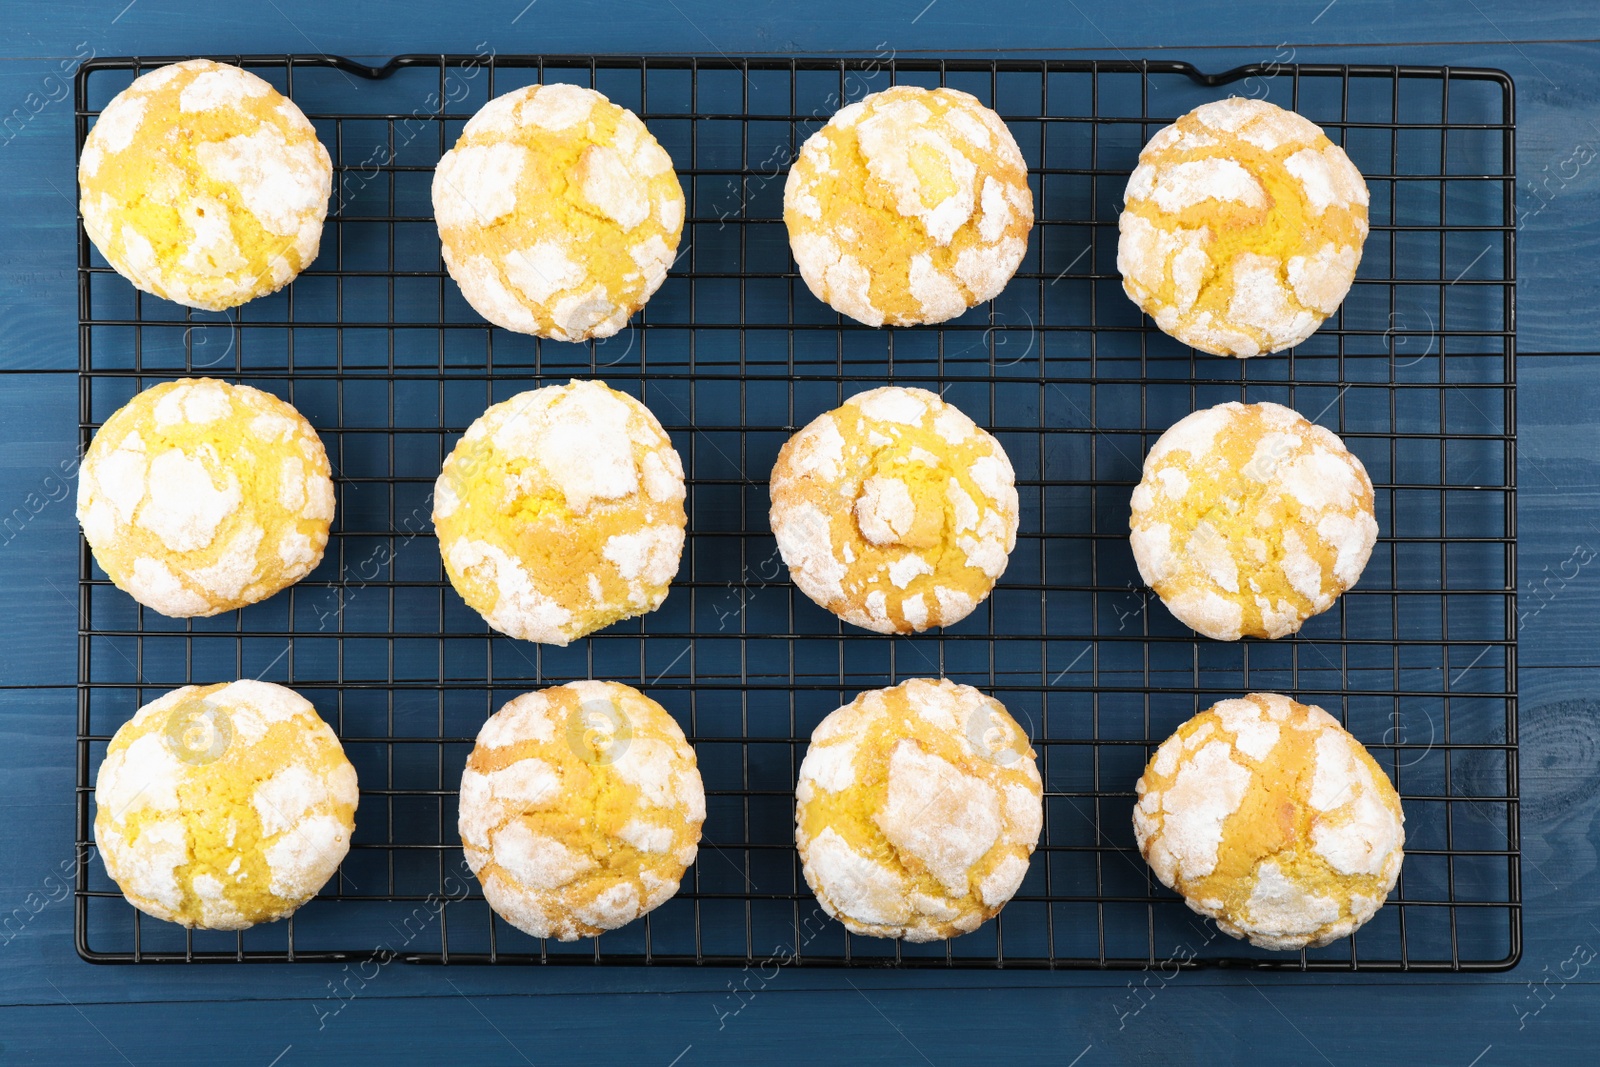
70	1012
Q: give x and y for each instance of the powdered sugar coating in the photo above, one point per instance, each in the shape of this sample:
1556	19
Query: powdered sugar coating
894	511
223	806
917	808
581	807
1249	519
199	497
1269	817
561	511
558	212
1243	228
231	210
909	206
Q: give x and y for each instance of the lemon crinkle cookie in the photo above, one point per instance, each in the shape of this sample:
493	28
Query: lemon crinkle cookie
910	206
558	212
917	810
198	497
1250	519
581	807
561	511
1266	815
1243	228
222	806
896	512
202	184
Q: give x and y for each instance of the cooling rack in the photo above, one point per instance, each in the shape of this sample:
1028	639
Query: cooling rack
376	347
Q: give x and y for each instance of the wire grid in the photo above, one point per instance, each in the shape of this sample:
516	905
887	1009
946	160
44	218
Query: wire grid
375	345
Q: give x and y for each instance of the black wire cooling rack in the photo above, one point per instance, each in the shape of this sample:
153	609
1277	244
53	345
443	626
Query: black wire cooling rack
376	347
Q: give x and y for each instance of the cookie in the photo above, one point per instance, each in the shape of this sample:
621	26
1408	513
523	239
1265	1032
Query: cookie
917	810
1243	228
895	511
561	511
1250	519
199	497
910	206
222	806
581	807
558	212
202	184
1266	815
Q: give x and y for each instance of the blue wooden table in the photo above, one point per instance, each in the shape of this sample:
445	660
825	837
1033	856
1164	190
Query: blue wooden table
55	1008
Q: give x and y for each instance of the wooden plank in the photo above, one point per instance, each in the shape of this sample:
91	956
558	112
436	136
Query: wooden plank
687	25
1250	1023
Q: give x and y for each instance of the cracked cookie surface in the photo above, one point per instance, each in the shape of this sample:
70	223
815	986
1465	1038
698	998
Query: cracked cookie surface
917	809
198	497
561	511
896	512
202	184
223	806
1268	816
558	212
910	206
581	807
1243	228
1250	519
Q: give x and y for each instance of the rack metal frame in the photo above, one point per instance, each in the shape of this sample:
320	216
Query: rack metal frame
375	345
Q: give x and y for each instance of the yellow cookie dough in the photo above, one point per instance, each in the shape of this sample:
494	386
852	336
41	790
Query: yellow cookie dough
199	497
1269	817
1250	519
581	808
202	184
895	512
909	206
1243	228
561	511
917	809
222	806
558	212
